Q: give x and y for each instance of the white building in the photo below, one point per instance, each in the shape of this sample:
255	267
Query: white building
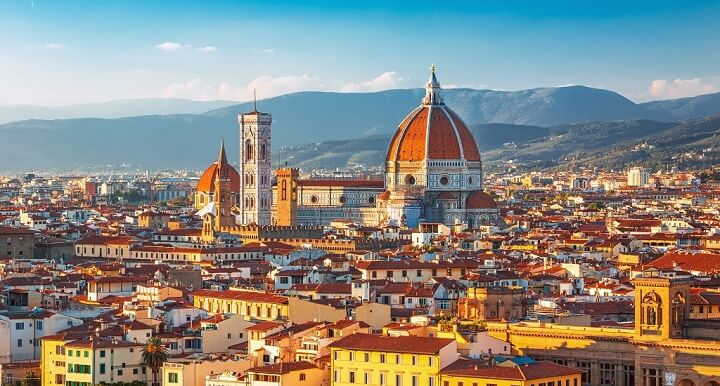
20	332
638	176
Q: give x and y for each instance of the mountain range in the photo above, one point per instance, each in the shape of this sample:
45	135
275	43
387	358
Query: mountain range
327	129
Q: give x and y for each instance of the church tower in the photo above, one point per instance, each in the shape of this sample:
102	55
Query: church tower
222	196
255	170
286	197
660	306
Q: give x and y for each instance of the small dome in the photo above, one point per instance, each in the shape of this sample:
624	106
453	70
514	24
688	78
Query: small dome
207	180
480	200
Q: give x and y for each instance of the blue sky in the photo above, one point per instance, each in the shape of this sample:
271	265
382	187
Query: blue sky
65	52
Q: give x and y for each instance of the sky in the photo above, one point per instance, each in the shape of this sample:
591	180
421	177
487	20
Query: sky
55	52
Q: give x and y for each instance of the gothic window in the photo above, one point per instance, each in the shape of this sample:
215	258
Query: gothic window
283	190
263	151
248	151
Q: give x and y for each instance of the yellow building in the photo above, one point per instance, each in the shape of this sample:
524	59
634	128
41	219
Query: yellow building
249	304
509	373
666	346
191	372
86	362
286	373
391	361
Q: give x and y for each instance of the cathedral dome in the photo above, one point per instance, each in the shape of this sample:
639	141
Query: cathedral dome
432	131
480	200
207	180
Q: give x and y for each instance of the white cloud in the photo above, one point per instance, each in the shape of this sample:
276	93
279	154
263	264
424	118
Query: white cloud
266	86
268	50
384	81
53	46
680	88
171	46
207	49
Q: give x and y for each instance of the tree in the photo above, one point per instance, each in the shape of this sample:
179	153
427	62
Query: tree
153	355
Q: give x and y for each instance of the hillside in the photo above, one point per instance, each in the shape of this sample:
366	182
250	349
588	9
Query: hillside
188	141
686	108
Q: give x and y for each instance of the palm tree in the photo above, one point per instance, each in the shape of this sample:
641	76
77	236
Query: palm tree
153	355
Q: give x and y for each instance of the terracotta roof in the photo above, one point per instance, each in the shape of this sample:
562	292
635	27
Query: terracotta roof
479	369
207	180
480	200
282	368
400	344
444	137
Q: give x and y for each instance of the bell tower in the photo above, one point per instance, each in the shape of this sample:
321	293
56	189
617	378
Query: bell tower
660	306
286	197
255	170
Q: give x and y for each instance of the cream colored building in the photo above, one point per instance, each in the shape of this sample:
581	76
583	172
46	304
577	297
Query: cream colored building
194	371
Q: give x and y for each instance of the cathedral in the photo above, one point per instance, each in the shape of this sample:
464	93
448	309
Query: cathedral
433	173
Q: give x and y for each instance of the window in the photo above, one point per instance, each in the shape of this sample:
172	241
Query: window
39	324
102	353
20	326
85	354
336	376
173	377
382	378
102	368
337	355
389	274
352	377
19	342
398	379
135	371
414	380
302	376
430	361
367	357
366	378
397	359
413	360
382	358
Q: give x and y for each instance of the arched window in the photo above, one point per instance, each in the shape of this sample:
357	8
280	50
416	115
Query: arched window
249	151
283	190
263	151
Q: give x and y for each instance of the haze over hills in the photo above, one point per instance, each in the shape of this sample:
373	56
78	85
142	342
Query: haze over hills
111	109
336	119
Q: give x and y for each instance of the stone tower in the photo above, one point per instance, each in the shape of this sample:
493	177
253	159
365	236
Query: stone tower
286	197
660	306
222	196
255	171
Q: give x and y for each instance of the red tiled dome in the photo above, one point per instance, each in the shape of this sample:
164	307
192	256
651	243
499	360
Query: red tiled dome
207	180
480	200
432	131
